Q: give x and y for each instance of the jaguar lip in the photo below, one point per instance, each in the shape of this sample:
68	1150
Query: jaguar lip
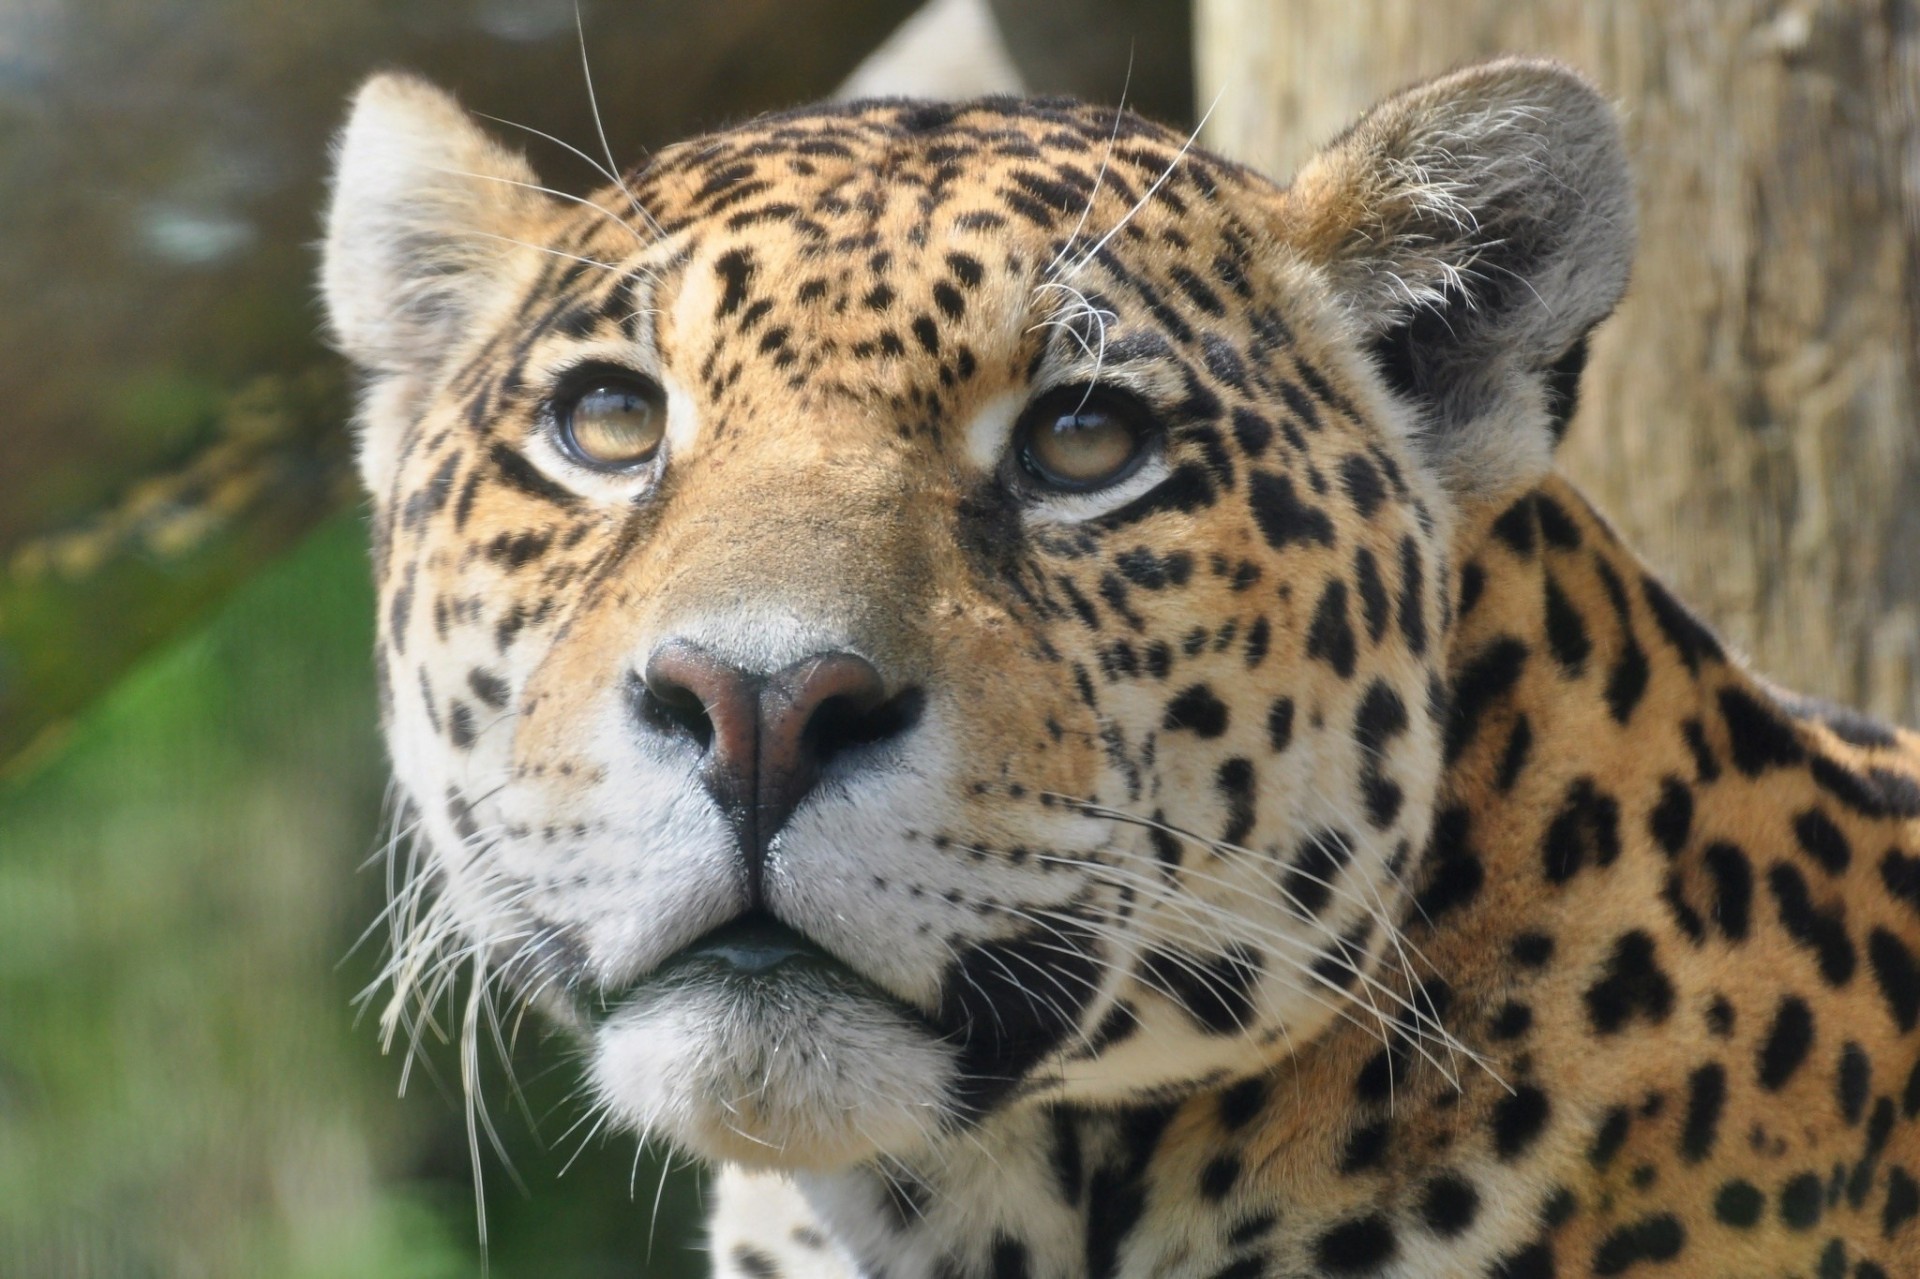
753	943
751	949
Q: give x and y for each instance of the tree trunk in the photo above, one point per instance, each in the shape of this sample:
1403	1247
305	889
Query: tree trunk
1751	416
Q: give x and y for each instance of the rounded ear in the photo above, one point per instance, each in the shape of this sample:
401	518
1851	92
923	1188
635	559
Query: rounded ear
424	213
1475	228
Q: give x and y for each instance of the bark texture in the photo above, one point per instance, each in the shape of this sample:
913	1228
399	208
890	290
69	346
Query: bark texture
1751	415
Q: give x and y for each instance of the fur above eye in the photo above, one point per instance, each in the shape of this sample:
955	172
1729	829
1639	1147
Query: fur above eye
1074	439
611	421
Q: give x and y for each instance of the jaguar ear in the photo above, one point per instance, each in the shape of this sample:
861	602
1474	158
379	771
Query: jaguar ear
421	227
1475	228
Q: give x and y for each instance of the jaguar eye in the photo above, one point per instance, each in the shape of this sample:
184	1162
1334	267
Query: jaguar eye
614	422
1076	438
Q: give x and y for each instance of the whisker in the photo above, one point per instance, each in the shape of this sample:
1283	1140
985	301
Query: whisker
599	125
1081	262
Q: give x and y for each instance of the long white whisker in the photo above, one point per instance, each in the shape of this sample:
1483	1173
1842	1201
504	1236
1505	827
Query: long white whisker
1080	263
599	126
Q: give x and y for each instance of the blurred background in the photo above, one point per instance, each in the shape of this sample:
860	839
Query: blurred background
191	781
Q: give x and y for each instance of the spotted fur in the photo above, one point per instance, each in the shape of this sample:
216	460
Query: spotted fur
1324	851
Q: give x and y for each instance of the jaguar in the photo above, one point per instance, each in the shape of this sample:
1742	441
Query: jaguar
1034	698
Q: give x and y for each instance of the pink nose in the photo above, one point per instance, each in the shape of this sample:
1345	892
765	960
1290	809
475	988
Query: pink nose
765	738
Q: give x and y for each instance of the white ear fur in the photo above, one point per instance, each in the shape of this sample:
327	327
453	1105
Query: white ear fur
424	207
1475	228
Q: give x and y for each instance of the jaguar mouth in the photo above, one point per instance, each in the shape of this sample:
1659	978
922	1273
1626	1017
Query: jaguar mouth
752	950
750	945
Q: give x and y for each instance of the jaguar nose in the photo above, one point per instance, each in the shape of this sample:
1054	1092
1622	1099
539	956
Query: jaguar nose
765	738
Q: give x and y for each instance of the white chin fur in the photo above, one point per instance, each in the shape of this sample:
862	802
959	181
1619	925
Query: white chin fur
793	1070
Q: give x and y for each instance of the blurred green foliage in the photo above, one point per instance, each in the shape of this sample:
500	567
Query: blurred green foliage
184	1089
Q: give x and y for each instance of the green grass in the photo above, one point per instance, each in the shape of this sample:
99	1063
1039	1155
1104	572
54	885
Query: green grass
183	1087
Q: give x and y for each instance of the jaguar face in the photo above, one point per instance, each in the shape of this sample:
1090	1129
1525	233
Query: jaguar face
894	610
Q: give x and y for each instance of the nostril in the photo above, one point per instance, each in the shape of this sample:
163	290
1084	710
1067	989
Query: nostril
846	721
674	709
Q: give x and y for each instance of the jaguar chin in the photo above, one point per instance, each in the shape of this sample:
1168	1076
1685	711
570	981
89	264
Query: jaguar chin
755	1046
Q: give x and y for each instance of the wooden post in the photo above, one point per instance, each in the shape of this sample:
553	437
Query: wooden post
1751	416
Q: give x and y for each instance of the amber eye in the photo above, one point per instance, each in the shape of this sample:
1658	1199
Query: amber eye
1076	438
613	422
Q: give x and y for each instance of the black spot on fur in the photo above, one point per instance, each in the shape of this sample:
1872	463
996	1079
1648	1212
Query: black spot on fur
1007	1003
1787	1043
1308	881
1693	641
1557	526
1357	1246
1627	683
1879	792
1198	711
1363	484
1487	678
1706	768
1760	739
1901	874
1448	1205
1633	986
1852	1081
1009	1259
1455	872
1531	950
1366	1147
1241	1104
1515	527
1374	606
1800	1202
735	268
1671	821
1283	518
460	727
1903	1202
754	1263
1413	621
1535	1261
1253	433
1218	1177
1738	1204
1898	976
1821	840
1706	1099
1280	724
1822	932
1381	718
1518	1120
1513	760
1610	1136
1066	1160
1732	876
1586	830
1235	781
520	475
1658	1238
1190	488
1215	991
1566	630
1330	635
488	687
